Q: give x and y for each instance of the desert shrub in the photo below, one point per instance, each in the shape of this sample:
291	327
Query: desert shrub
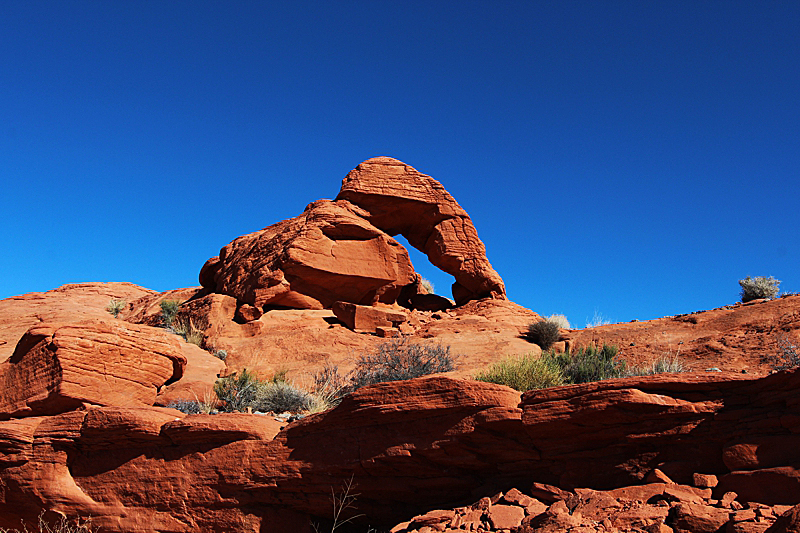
666	364
524	373
758	287
561	320
221	354
169	309
280	397
543	333
590	364
190	407
244	390
185	327
62	525
398	360
115	306
329	387
553	369
788	356
237	392
427	285
597	320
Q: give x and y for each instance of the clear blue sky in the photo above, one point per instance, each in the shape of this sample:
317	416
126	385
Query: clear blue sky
633	159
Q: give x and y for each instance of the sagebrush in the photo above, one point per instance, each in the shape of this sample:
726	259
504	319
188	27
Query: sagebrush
759	287
544	333
398	360
245	390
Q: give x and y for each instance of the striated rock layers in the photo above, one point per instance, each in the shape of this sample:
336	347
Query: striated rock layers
343	250
408	447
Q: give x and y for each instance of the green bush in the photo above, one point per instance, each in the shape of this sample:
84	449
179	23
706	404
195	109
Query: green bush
244	390
543	333
237	392
524	373
115	306
398	360
590	364
552	369
280	397
759	287
169	308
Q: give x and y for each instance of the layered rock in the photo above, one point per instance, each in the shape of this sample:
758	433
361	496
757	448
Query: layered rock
344	250
69	303
327	254
409	447
737	338
60	367
400	200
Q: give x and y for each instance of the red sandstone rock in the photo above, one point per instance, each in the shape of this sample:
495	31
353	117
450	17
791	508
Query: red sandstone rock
699	518
68	303
733	338
58	367
197	382
366	319
788	522
400	200
505	516
705	481
328	253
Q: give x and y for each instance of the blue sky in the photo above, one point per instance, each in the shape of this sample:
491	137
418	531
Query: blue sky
632	159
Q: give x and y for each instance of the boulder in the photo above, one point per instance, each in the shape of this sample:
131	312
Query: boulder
366	319
328	253
59	367
400	200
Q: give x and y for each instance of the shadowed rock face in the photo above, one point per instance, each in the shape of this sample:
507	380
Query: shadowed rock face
400	200
407	446
344	250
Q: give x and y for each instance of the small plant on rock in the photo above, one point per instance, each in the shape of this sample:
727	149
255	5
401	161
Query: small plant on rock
561	320
169	309
399	360
115	306
543	333
427	285
788	355
185	327
759	287
237	392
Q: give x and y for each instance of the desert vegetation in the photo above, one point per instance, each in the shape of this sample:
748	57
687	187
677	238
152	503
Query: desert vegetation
169	310
544	333
759	287
582	366
393	361
62	525
115	306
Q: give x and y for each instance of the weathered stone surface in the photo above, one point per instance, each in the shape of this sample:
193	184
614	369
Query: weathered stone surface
788	522
367	319
68	303
58	367
199	375
735	338
328	253
400	200
456	437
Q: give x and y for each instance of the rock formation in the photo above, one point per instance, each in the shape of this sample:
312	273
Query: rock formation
344	250
408	447
400	200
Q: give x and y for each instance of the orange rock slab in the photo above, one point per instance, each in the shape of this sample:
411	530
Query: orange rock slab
58	367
